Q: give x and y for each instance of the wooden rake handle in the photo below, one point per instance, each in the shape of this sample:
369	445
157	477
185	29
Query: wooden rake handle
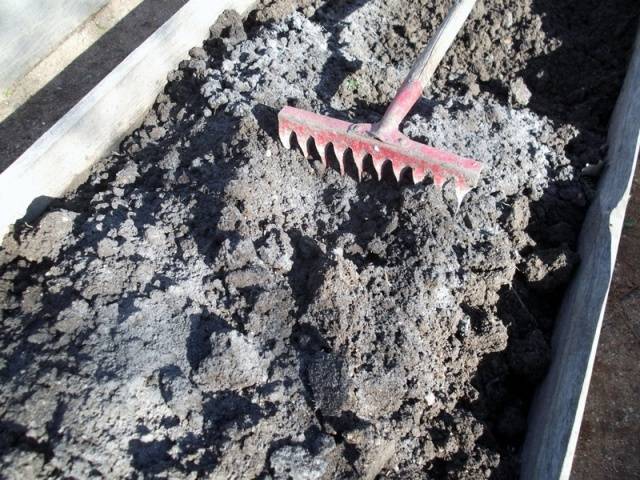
422	71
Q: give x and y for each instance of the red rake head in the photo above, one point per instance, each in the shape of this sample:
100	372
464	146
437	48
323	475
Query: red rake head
363	139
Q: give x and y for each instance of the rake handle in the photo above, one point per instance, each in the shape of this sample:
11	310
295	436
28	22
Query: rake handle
422	71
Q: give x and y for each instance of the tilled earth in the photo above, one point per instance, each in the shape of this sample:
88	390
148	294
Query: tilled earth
209	304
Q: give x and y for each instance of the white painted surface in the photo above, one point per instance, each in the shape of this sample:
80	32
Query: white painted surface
63	155
31	29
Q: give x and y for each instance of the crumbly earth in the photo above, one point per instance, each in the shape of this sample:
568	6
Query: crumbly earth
210	304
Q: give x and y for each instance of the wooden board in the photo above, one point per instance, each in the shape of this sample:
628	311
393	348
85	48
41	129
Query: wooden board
31	29
62	156
60	55
556	414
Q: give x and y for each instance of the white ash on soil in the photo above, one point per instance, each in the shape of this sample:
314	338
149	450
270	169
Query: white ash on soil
210	304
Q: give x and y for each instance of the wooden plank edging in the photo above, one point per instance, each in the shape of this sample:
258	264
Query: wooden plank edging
558	407
31	29
61	158
61	55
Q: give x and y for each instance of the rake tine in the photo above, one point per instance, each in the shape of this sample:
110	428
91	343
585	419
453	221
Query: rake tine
285	137
341	163
359	162
418	176
339	152
303	143
397	170
325	155
321	148
377	166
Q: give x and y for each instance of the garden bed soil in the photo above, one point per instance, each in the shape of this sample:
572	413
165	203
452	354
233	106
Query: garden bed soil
209	303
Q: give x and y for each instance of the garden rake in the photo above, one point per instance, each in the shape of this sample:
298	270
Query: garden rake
383	142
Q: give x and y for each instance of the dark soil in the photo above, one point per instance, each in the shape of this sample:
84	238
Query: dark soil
210	304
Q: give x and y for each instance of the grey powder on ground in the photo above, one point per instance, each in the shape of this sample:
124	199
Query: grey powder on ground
211	304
